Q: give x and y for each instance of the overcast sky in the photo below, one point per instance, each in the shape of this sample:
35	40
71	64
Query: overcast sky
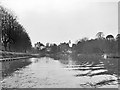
56	21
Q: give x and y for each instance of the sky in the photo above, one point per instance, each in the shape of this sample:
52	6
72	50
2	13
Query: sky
57	21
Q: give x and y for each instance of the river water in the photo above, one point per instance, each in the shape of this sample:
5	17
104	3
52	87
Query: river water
49	73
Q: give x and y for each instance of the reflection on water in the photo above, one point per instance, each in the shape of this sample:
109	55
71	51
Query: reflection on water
10	66
76	72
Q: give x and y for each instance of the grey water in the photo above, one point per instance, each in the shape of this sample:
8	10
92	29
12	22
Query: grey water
49	73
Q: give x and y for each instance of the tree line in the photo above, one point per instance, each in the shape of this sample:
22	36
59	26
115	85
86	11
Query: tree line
99	45
13	35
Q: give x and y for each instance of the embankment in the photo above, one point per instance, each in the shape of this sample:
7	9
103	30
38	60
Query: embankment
8	56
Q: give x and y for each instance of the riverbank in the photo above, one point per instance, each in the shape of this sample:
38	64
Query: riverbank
8	56
111	56
66	56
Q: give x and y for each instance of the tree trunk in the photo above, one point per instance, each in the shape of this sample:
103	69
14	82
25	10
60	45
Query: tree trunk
9	48
5	46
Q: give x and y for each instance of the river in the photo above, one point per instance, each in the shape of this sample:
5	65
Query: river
49	73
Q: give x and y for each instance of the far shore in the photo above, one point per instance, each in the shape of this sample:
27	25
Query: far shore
9	56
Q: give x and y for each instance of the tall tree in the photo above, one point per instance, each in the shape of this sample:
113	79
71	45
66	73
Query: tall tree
13	33
7	20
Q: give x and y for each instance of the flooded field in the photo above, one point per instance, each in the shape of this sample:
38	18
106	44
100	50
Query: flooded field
49	73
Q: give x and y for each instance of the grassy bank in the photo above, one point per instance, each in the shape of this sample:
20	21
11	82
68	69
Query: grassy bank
5	54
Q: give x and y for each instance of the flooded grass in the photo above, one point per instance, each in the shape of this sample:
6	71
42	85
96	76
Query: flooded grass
93	63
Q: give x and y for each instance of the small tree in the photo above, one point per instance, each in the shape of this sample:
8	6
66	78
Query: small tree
100	35
39	45
109	37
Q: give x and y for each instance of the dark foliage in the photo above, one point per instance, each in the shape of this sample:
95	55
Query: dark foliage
14	37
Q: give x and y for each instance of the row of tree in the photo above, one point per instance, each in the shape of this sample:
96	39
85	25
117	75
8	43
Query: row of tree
99	45
13	34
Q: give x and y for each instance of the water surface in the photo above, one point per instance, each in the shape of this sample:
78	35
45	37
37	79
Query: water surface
72	73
